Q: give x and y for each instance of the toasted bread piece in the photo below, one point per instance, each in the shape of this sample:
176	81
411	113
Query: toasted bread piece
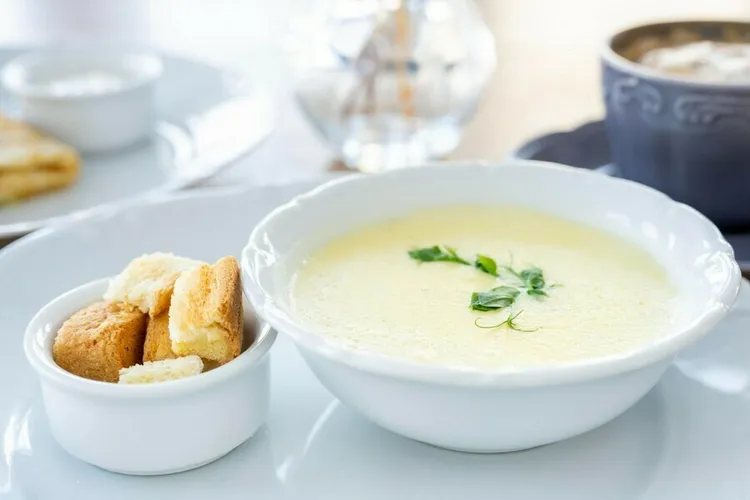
158	345
32	163
147	282
99	340
161	371
206	313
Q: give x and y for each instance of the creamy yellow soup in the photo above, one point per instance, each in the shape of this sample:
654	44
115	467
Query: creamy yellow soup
601	296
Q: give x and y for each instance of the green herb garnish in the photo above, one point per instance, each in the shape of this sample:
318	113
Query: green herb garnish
486	264
530	280
533	279
509	322
496	298
437	253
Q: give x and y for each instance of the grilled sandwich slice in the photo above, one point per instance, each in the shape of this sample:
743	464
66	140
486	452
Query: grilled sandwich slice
32	163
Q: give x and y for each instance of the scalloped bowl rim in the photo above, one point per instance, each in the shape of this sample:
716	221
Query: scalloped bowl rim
267	307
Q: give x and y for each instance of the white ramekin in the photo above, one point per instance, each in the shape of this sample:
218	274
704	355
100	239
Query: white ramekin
90	122
486	411
152	428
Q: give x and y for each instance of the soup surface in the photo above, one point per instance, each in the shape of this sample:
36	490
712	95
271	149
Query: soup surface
707	60
572	292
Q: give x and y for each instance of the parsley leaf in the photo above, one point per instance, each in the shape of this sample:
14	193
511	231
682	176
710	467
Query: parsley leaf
497	298
437	253
486	264
533	278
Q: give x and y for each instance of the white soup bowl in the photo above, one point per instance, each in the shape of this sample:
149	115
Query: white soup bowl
479	410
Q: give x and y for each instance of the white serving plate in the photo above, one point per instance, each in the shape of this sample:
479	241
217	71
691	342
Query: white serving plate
207	118
688	439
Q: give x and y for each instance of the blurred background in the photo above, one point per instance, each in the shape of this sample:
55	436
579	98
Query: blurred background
546	78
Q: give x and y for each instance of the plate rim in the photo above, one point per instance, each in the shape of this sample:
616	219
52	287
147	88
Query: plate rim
532	145
246	90
114	209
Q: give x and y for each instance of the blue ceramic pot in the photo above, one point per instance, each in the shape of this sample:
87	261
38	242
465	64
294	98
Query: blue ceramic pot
687	138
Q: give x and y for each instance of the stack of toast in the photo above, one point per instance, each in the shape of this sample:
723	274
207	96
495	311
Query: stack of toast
164	317
32	163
